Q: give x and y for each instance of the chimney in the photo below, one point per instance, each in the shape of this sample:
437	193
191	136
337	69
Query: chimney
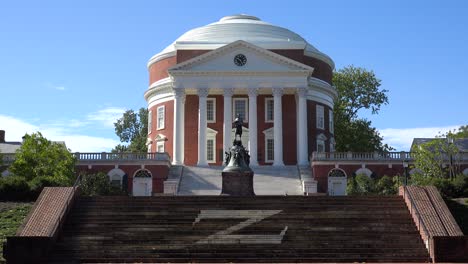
2	136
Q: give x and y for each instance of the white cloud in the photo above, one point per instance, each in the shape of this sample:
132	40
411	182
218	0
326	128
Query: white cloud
16	128
60	88
107	116
401	138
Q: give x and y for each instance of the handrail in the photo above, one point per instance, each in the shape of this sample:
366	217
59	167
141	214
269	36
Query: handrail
418	215
67	205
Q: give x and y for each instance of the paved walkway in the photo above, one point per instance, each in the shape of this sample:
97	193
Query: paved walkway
268	180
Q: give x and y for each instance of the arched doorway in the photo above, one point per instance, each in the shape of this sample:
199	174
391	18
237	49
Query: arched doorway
337	182
142	183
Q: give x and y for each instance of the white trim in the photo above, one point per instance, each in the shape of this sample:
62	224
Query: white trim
150	121
116	172
160	144
246	113
159	126
320	143
211	99
331	124
292	64
364	171
267	99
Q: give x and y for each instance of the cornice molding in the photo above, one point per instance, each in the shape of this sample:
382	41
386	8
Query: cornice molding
296	66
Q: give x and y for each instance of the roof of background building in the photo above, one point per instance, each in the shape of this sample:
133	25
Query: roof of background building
9	147
461	143
241	27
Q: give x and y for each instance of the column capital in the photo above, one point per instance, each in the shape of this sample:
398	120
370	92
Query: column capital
179	93
228	92
302	91
277	91
252	92
203	92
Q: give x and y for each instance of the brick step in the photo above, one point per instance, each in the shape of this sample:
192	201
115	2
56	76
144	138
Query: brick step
105	258
260	229
110	239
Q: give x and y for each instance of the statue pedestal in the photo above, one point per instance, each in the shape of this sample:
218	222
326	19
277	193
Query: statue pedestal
238	183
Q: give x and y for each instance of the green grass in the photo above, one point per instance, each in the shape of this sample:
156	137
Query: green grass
10	220
459	209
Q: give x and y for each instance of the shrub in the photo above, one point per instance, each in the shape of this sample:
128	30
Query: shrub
361	185
98	184
38	183
386	185
15	188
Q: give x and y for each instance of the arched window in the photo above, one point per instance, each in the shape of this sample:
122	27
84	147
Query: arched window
116	177
465	171
337	173
142	174
364	171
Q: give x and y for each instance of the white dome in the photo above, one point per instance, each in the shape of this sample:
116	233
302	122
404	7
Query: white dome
241	27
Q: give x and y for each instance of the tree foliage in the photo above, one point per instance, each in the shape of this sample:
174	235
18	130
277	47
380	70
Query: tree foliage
357	89
132	129
435	159
40	157
98	184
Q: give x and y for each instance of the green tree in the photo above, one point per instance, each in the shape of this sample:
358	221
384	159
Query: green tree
98	184
132	129
40	157
357	89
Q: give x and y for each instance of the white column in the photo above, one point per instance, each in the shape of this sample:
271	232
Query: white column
227	121
278	127
302	145
253	127
178	134
202	94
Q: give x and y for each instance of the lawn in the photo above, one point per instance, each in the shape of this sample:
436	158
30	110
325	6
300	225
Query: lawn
11	217
459	209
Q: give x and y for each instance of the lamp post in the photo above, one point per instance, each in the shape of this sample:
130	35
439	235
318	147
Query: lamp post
450	143
405	166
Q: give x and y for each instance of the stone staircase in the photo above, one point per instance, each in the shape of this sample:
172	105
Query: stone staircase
268	180
239	229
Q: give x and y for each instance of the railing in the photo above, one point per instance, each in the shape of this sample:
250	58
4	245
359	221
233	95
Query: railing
122	156
381	156
8	158
420	223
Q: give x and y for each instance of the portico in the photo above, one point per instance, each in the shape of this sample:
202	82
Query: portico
279	85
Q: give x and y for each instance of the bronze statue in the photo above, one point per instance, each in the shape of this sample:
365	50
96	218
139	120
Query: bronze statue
238	122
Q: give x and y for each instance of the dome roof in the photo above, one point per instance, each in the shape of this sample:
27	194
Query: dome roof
241	27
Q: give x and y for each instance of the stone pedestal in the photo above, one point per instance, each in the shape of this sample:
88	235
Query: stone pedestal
238	183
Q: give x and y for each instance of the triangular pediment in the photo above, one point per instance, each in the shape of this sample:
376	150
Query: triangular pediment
256	58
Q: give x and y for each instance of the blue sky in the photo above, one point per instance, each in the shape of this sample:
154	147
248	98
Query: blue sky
70	69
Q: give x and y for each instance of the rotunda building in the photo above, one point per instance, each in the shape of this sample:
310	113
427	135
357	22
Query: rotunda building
277	82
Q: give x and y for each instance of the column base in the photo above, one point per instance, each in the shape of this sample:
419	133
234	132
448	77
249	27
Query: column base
202	164
278	164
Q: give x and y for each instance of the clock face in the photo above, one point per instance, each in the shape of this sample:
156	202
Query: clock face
240	60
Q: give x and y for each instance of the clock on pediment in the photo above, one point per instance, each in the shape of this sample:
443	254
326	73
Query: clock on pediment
240	60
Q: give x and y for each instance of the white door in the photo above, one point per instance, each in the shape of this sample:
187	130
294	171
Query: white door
142	186
337	186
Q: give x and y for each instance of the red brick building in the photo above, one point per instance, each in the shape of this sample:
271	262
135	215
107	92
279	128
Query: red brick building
273	78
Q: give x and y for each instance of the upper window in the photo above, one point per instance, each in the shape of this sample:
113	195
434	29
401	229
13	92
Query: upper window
150	121
161	117
320	117
211	110
269	105
240	107
330	121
